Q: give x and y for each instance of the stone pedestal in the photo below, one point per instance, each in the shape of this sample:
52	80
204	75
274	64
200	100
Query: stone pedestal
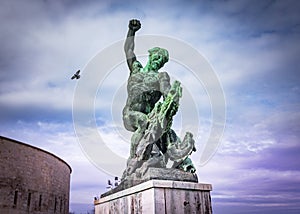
158	197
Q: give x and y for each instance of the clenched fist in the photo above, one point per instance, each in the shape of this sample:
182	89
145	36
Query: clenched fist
134	25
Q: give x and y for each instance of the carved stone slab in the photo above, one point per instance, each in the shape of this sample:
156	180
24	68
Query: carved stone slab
158	196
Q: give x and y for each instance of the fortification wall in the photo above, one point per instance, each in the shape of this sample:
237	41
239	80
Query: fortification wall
32	180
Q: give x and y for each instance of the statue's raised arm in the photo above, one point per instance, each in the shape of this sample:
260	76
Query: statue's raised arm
134	26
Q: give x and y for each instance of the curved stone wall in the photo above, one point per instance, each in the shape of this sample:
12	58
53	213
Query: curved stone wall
32	180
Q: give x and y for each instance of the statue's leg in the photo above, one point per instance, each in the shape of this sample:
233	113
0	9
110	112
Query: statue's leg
141	122
128	120
156	160
135	139
137	122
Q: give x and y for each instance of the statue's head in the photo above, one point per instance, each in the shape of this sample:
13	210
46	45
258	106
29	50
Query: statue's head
157	58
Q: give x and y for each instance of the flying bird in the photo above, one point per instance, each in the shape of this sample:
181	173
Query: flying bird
76	75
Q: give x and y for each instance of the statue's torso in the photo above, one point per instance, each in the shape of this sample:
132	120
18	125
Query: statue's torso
143	81
143	90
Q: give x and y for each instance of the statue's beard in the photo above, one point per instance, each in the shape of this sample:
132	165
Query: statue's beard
155	65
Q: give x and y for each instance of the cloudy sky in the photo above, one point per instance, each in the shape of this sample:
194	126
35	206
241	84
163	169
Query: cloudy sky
253	48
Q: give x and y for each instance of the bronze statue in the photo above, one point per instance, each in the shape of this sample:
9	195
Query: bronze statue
153	143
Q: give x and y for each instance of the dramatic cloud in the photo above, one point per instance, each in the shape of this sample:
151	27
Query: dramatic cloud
253	47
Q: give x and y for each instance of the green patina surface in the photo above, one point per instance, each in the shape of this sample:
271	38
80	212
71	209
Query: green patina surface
151	105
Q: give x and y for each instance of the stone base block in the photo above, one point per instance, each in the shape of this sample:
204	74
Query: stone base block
158	197
154	174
